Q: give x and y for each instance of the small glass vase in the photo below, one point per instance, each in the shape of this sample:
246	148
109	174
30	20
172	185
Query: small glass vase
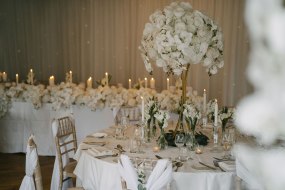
191	142
162	142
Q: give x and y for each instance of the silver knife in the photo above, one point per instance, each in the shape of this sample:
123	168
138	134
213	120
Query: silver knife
211	167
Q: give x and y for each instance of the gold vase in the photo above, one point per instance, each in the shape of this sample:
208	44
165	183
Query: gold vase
180	123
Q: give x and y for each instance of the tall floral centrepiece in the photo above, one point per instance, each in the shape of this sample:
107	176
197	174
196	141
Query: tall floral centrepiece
177	37
162	120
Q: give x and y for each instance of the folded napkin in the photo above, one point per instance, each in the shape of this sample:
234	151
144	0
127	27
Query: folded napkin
160	176
99	151
227	166
128	172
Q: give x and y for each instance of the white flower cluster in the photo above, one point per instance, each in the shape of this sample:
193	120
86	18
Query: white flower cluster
179	35
225	115
162	118
33	94
191	111
169	99
4	105
64	95
151	108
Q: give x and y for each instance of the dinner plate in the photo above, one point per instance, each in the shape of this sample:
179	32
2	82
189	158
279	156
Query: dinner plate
99	135
228	166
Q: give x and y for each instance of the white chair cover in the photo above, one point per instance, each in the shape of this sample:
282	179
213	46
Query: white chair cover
31	163
160	177
65	159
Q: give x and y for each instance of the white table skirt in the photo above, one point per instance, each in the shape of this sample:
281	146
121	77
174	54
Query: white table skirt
98	174
23	120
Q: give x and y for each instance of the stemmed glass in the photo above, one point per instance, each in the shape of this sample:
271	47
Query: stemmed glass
180	139
124	125
227	142
138	138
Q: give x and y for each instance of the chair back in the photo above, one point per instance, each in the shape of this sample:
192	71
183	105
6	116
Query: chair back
133	114
65	139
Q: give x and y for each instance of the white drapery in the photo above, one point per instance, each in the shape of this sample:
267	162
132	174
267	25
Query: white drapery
94	37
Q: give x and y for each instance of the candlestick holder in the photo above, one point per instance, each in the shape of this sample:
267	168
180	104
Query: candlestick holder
216	147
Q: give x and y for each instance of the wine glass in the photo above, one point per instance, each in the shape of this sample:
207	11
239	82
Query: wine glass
227	142
124	124
139	139
180	141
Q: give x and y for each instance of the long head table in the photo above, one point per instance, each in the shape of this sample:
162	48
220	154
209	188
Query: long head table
23	119
95	173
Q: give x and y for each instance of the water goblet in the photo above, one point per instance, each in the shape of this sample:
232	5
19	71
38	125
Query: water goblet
227	142
179	142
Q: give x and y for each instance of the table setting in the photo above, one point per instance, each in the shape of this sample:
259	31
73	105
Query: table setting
105	147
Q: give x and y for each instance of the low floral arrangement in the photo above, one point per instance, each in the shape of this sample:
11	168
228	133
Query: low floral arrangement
224	115
4	106
64	95
151	108
162	118
192	114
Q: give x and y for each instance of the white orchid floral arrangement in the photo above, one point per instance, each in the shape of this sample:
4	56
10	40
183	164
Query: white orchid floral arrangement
211	109
225	114
177	36
151	108
192	115
162	117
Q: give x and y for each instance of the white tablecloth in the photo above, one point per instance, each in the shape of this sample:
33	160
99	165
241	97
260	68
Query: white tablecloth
23	120
103	174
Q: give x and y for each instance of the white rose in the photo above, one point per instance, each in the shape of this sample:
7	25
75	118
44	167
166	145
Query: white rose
201	33
213	70
198	21
186	6
220	64
177	71
160	63
179	26
148	29
178	12
203	48
207	62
